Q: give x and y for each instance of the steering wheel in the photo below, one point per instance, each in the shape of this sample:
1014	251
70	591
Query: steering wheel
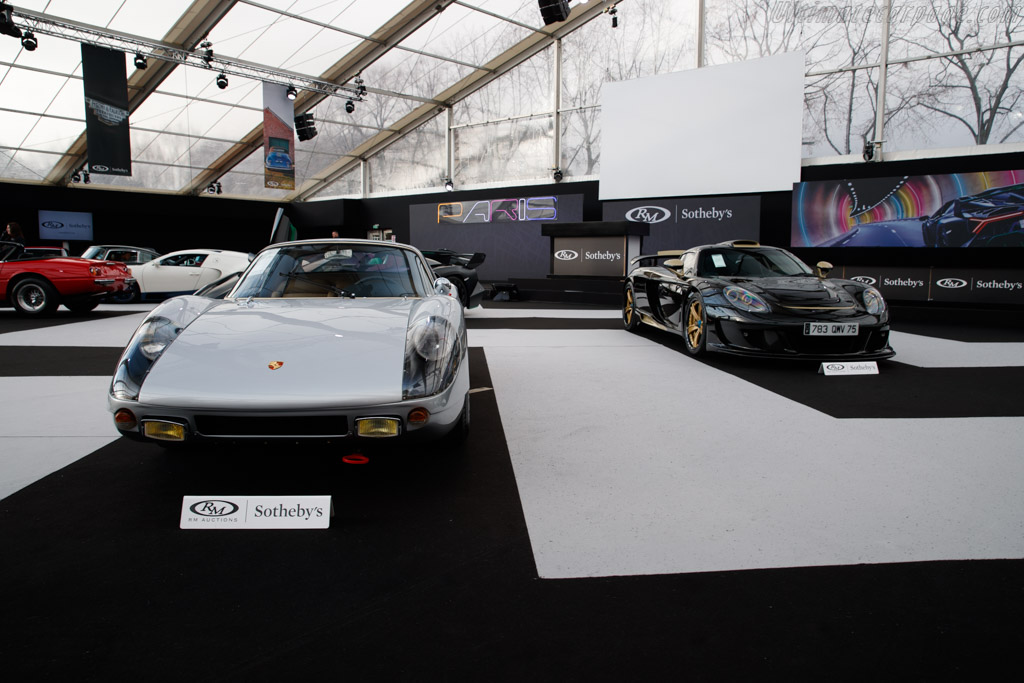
365	286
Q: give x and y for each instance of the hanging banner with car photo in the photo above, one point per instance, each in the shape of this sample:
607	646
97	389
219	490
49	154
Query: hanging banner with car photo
278	138
106	111
950	210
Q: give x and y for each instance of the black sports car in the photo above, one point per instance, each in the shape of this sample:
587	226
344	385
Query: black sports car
460	269
993	218
742	298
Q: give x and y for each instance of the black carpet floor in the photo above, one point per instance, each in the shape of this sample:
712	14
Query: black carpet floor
427	574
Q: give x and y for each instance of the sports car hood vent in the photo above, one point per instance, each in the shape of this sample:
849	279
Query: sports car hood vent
280	354
800	292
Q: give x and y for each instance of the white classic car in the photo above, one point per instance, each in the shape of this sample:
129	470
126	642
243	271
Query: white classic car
183	272
321	339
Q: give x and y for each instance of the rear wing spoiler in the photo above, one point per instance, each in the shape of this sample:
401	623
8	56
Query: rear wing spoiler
652	259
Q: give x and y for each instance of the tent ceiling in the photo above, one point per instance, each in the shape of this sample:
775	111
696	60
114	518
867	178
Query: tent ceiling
417	57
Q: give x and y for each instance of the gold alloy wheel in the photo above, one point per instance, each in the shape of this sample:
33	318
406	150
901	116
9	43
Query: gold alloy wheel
628	313
694	324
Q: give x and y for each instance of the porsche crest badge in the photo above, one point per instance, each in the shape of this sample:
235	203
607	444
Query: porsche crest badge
274	365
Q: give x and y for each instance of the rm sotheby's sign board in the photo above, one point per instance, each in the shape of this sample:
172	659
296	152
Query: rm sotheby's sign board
856	368
255	512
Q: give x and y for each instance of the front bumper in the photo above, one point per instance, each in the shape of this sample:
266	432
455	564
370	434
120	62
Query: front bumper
323	425
786	339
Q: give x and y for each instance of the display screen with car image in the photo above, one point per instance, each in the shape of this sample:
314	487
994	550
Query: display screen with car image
950	210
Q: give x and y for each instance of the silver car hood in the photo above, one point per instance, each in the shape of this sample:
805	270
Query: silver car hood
332	353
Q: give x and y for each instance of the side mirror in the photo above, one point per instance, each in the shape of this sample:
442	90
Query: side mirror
674	263
824	268
444	287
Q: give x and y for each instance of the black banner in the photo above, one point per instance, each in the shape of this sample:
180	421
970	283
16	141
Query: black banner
950	285
681	223
106	111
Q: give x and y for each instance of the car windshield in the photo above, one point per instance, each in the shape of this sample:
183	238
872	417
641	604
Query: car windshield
331	269
749	263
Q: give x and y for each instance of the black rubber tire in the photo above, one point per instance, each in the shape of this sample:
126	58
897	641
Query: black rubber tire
455	438
129	297
695	322
630	316
34	297
81	307
460	288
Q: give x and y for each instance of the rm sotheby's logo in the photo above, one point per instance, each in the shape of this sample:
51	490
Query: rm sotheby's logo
214	508
53	225
951	283
833	366
566	255
99	168
648	214
864	279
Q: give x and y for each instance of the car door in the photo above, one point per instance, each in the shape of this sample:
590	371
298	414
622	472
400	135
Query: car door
177	273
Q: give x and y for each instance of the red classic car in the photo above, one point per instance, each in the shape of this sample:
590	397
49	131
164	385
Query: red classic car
37	285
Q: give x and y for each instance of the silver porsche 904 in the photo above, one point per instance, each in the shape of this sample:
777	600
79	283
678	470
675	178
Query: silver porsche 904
324	339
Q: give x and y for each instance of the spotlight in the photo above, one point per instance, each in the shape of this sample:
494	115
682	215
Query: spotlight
76	177
7	26
360	86
140	61
214	188
85	177
350	107
222	81
207	55
557	175
291	93
448	184
219	190
29	42
869	150
615	18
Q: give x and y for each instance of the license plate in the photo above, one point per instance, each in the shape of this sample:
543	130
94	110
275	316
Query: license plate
831	329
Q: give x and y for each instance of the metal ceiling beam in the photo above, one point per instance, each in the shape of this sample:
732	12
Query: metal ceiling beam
497	67
190	29
401	26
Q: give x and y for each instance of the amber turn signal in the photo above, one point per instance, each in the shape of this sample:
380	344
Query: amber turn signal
418	416
125	420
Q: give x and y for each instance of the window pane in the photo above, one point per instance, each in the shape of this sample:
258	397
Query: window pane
581	142
931	103
521	149
839	112
922	27
416	161
832	34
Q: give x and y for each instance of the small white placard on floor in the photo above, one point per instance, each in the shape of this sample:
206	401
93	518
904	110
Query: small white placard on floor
869	367
255	512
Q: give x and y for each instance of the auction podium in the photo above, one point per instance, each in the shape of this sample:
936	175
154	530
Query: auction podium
598	249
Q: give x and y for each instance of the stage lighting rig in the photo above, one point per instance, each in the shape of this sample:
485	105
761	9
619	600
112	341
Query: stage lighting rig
140	61
222	81
207	55
291	93
557	174
448	184
350	107
29	42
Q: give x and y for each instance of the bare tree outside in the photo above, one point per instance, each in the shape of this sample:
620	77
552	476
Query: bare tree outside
962	95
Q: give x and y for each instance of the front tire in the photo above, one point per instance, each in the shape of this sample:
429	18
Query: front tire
695	322
630	316
82	307
35	297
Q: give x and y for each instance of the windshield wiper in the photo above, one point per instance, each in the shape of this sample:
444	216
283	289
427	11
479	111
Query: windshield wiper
325	285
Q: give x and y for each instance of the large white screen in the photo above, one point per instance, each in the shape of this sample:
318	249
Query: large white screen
717	130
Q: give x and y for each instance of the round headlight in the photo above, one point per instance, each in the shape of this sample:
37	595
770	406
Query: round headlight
873	301
154	338
745	300
429	339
